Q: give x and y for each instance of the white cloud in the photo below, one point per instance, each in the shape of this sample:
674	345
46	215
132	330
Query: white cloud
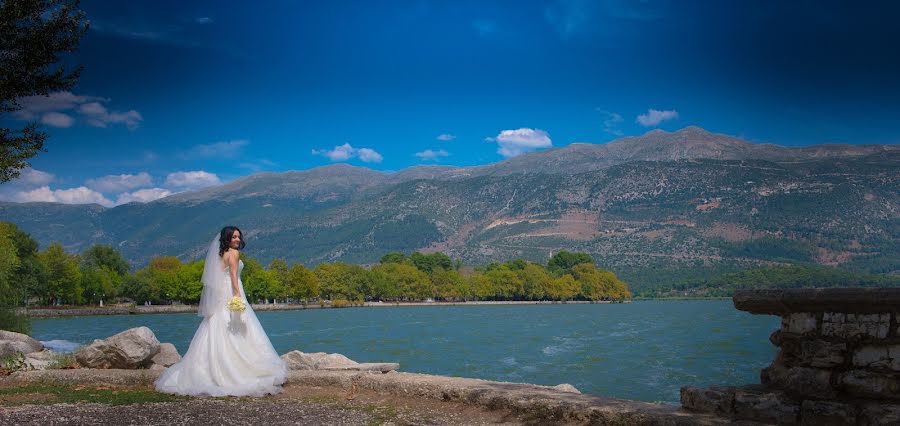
654	117
98	116
51	110
369	155
515	142
143	195
204	20
57	119
31	178
33	106
610	121
346	151
80	195
446	137
431	155
224	149
192	180
119	183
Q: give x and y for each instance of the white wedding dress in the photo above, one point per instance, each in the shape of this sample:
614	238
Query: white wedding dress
230	353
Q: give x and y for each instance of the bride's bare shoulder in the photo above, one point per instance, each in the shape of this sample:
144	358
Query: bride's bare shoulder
230	256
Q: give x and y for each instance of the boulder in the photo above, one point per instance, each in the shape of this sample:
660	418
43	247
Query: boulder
40	360
769	407
716	399
12	342
565	387
827	413
297	360
166	356
132	348
10	347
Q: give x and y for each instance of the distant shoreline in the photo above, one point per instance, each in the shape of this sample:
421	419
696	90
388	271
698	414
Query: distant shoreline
183	309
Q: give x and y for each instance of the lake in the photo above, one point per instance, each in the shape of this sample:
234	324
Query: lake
644	350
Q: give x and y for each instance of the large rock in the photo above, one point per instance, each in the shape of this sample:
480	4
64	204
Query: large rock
40	360
12	342
770	407
297	360
565	387
716	399
166	356
132	348
827	413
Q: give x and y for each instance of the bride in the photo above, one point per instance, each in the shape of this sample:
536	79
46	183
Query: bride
230	353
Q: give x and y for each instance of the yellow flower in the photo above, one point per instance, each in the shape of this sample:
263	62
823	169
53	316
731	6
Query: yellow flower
236	305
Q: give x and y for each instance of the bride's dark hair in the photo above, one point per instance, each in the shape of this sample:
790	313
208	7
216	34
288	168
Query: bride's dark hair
225	239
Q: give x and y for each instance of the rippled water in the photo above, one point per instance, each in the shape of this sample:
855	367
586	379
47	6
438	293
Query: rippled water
643	350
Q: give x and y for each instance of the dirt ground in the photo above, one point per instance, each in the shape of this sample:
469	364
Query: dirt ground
297	405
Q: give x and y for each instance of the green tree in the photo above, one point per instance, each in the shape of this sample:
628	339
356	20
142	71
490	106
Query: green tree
562	262
302	283
99	283
29	278
189	284
429	262
506	284
564	288
163	272
535	281
394	257
32	35
139	287
100	255
63	275
408	282
446	284
10	294
481	286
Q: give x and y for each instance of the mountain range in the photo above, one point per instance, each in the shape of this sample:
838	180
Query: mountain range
652	208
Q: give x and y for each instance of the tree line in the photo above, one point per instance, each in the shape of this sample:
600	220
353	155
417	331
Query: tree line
54	277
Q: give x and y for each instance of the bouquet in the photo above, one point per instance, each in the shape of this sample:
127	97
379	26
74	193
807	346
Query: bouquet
236	304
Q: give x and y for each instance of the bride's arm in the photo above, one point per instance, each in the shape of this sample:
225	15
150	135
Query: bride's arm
231	259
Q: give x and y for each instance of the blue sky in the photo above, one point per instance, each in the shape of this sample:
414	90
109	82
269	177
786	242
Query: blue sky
178	95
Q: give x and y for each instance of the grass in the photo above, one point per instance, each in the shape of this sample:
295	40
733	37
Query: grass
47	393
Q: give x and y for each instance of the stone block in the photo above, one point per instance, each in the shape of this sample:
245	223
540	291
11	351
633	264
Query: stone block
894	353
880	414
822	354
812	353
824	413
719	400
799	323
769	407
856	326
869	384
802	382
873	356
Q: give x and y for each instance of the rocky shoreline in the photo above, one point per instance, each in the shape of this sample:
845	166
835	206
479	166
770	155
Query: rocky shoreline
135	358
181	309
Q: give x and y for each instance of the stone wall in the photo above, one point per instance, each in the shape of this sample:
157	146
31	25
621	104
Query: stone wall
838	360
